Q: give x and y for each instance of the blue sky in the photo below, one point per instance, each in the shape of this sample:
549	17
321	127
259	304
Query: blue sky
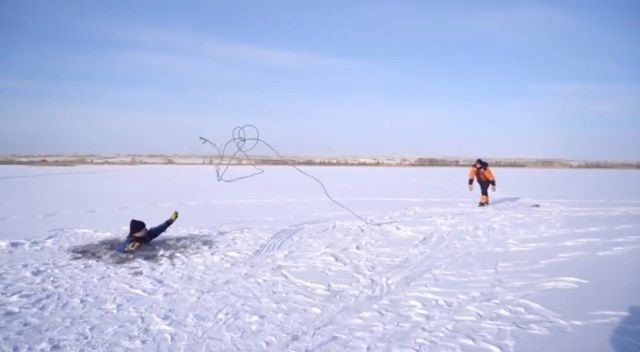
395	78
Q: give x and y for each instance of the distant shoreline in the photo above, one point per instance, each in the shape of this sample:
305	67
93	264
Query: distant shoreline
156	159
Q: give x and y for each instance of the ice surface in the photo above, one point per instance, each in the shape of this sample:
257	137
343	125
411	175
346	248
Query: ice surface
268	263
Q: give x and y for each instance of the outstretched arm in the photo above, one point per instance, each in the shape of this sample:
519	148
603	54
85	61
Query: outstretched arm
158	230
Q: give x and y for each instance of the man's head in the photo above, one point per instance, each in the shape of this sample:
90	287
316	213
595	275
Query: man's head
481	164
137	228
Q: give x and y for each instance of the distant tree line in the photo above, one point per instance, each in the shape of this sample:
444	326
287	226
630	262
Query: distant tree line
69	160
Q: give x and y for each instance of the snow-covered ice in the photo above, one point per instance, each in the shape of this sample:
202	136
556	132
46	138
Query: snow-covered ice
269	263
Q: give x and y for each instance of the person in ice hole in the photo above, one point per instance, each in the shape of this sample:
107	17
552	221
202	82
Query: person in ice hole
139	234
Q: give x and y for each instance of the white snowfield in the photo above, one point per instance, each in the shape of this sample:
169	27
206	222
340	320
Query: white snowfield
270	264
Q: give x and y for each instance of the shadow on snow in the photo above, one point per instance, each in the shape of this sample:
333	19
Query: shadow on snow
626	336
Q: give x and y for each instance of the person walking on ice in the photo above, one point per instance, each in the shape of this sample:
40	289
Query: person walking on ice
481	172
139	234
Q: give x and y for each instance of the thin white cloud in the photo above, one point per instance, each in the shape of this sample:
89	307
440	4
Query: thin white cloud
577	100
508	20
196	45
18	84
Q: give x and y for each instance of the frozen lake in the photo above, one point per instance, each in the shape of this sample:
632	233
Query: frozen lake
269	263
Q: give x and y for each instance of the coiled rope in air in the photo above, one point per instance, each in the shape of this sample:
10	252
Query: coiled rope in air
243	140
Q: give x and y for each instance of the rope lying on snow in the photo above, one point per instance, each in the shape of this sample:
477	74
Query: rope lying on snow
243	140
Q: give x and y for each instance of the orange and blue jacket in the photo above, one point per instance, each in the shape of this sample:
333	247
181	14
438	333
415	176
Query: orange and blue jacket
483	174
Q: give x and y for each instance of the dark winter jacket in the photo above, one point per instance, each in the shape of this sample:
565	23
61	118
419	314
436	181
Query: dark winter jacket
483	174
152	233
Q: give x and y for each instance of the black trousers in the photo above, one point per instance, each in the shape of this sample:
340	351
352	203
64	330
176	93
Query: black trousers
484	187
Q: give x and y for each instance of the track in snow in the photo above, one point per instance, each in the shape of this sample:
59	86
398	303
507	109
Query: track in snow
431	280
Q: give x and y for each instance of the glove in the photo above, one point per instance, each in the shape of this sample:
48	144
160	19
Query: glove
132	246
493	188
471	187
174	216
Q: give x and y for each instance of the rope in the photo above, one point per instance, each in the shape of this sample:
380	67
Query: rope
243	140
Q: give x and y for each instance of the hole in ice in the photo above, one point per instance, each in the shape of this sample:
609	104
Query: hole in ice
163	248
